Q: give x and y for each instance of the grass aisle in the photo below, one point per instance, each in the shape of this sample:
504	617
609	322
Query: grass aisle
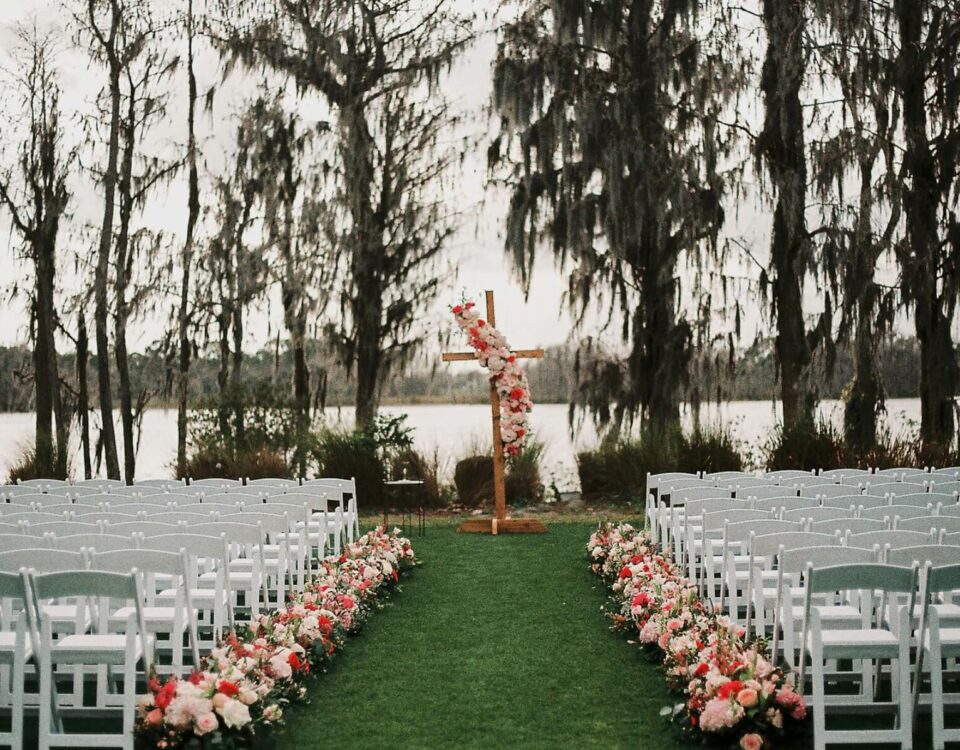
494	642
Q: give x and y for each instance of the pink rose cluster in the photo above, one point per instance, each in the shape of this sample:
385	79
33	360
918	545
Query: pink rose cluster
731	692
506	375
253	672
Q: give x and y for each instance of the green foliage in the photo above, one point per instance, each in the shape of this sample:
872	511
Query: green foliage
806	445
372	455
473	477
25	467
617	470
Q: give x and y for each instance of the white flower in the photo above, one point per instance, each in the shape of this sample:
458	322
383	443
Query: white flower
235	714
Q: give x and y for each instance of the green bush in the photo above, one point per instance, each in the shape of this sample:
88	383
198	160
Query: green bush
473	478
410	464
253	464
25	467
806	446
616	470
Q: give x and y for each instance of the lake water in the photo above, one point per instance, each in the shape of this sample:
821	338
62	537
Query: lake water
450	431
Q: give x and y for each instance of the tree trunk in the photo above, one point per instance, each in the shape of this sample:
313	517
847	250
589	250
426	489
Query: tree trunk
366	300
44	362
781	145
236	371
83	399
108	436
193	213
122	281
939	375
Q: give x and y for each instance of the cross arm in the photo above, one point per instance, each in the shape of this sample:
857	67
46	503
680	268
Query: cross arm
467	356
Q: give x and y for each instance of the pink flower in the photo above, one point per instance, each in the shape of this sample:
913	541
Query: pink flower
205	723
155	717
792	702
752	741
747	697
719	714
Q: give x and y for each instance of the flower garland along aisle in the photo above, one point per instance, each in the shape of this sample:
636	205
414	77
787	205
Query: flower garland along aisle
255	672
506	375
731	693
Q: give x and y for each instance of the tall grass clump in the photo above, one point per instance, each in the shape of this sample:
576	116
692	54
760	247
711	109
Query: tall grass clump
25	467
473	476
616	470
806	446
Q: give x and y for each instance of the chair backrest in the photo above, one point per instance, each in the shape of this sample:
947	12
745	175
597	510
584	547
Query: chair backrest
789	474
271	523
35	499
952	539
953	471
111	516
203	546
709	505
679	497
808	482
144	560
888	538
316	503
146	528
244	494
945	510
224	509
85	583
740	484
21	541
169	485
841	474
221	482
769	544
897	511
62	527
852	525
780	504
273	482
950	524
13	490
667	487
10	528
903	488
847	501
942	578
818	514
798	559
182	517
41	560
42	483
32	516
99	542
946	486
742	531
95	499
761	493
234	532
824	579
183	499
715	521
938	554
923	499
827	490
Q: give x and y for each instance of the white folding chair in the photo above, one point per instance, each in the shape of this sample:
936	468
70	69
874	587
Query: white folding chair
63	528
221	483
903	488
143	528
827	490
789	474
35	500
888	539
874	640
8	491
689	544
206	555
709	573
176	621
838	475
947	524
792	563
812	515
761	493
167	485
781	504
42	484
853	501
272	482
93	542
95	591
16	650
243	541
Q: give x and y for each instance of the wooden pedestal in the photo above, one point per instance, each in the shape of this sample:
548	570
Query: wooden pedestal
505	526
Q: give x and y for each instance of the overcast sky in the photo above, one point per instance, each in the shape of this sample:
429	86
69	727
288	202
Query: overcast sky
476	254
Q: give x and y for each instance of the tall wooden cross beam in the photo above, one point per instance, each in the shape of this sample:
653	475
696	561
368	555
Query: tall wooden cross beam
499	524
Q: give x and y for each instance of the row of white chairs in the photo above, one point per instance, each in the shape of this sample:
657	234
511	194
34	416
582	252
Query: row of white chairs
112	485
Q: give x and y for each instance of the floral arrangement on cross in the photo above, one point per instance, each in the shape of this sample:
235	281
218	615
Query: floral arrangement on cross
506	374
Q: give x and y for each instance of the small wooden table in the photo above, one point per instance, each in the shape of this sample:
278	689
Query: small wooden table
406	510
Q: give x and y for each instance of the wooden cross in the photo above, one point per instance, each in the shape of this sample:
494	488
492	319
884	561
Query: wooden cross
500	523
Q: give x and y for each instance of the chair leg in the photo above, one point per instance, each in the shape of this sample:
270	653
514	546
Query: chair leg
936	698
906	695
46	702
129	701
819	719
16	688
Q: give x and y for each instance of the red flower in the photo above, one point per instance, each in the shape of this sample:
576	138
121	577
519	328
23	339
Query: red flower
701	670
196	678
457	310
166	694
516	394
470	304
227	688
481	323
625	572
294	661
729	688
640	600
636	560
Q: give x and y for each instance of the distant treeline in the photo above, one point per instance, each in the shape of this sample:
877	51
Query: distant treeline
751	377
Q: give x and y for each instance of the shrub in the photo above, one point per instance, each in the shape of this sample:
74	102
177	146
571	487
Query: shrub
25	467
617	469
806	446
411	464
473	478
254	464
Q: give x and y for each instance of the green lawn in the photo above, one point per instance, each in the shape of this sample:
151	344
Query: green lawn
494	642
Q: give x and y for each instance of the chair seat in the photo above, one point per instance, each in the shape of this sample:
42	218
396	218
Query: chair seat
202	598
93	649
8	646
155	618
837	614
857	643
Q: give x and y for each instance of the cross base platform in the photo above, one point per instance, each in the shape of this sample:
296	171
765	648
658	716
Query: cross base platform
505	526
